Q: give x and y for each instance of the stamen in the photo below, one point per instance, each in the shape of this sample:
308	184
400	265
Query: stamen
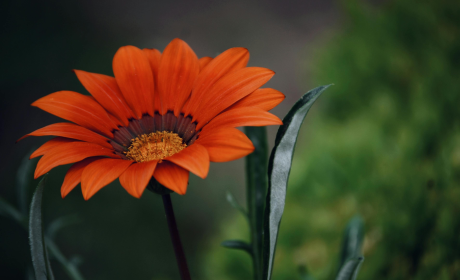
154	146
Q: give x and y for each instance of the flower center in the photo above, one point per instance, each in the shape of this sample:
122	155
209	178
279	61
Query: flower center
154	146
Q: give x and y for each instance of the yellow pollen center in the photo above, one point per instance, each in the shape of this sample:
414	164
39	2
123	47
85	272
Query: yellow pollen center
154	146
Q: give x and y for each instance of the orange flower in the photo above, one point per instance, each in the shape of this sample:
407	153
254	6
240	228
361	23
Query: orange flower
163	115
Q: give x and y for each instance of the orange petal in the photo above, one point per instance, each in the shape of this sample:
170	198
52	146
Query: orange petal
204	61
230	89
228	61
172	176
48	146
225	144
115	120
154	57
69	153
136	178
77	108
194	158
73	175
178	70
264	98
135	79
106	91
245	116
70	130
186	105
101	173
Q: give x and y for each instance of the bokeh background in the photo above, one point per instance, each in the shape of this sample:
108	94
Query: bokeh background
383	142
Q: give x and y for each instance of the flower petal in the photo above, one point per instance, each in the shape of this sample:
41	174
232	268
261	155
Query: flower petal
172	176
264	98
154	57
77	108
73	175
70	130
135	79
225	144
49	145
69	153
228	61
106	91
178	70
228	90
194	158
136	178
101	173
204	61
245	116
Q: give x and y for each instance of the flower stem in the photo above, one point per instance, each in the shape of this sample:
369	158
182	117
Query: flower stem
174	233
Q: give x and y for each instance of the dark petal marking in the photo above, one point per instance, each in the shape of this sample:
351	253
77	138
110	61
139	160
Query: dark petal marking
169	121
184	126
190	142
122	155
158	122
123	136
148	122
185	129
180	120
117	147
180	126
135	127
189	132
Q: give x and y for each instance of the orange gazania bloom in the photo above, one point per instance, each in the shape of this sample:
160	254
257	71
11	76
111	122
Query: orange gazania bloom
163	115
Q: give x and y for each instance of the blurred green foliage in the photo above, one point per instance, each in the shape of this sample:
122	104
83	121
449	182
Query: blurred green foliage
384	142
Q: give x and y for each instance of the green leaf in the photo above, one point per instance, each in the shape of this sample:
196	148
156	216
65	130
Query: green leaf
237	244
232	200
257	182
40	259
353	240
279	167
350	269
24	176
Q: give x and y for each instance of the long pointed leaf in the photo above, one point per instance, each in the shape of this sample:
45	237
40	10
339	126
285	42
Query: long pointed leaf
353	240
350	269
40	259
257	183
24	176
279	168
237	244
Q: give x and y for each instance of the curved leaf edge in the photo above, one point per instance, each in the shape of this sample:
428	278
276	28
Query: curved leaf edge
303	105
38	248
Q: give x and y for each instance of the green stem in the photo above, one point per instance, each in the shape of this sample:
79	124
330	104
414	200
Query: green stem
257	182
174	233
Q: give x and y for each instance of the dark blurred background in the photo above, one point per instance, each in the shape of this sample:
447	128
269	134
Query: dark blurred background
383	142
